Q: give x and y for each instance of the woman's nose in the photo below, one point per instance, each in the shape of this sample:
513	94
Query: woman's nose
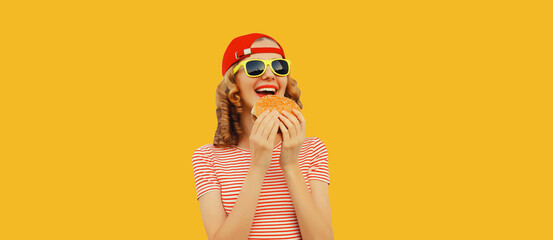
268	74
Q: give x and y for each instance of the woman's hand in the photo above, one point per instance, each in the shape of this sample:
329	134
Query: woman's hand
293	134
262	138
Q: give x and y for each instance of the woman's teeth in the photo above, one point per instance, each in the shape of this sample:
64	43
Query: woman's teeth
266	90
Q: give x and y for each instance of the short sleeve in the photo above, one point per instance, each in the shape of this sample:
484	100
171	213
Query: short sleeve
204	175
318	169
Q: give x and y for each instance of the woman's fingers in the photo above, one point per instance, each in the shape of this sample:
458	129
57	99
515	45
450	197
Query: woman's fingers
285	132
258	121
274	130
301	118
268	123
290	122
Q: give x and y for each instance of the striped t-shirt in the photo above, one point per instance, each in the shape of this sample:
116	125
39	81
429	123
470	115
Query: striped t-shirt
225	169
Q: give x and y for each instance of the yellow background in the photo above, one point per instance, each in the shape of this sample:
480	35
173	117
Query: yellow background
436	114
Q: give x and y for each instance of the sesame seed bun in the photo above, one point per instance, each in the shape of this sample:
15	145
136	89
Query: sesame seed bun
274	102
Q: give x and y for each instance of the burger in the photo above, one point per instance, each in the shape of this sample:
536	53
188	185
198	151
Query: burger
274	102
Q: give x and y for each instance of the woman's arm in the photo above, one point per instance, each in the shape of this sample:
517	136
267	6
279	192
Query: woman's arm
313	215
238	223
313	223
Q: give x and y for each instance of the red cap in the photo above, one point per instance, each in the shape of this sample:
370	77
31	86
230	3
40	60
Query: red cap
240	48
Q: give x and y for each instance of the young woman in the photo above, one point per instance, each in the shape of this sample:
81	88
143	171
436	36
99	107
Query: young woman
262	178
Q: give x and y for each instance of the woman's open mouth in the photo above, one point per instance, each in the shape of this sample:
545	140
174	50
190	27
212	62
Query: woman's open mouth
262	92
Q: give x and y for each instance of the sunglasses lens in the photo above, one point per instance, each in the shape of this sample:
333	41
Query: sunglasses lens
281	67
255	68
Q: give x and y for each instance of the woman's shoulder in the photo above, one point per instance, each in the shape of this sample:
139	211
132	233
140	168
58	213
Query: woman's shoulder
202	151
205	146
314	143
210	149
313	140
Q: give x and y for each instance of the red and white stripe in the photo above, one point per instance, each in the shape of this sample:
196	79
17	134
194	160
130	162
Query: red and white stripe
225	169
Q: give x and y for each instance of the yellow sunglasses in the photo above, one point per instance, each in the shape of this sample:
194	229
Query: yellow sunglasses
256	67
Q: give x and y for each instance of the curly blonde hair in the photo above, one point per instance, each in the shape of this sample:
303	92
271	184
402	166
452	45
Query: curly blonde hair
229	108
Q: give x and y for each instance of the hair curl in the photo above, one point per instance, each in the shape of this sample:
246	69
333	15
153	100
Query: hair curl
229	108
